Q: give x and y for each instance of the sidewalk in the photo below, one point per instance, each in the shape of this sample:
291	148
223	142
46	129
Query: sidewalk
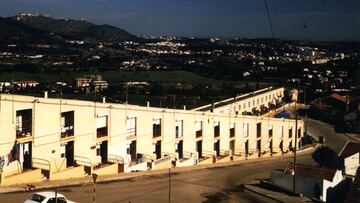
47	185
275	195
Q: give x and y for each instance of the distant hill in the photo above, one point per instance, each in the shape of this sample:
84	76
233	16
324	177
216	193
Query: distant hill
31	24
12	31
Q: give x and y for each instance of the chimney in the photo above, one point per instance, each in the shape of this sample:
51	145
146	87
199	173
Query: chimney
184	107
147	103
46	94
104	100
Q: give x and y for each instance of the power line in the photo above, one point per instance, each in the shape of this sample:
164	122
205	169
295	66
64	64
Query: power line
270	23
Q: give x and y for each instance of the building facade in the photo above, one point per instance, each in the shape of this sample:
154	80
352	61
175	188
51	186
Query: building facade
46	138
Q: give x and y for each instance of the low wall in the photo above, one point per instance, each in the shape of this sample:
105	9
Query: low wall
74	172
304	185
163	165
137	167
107	170
32	176
255	155
239	158
188	162
225	159
209	160
12	169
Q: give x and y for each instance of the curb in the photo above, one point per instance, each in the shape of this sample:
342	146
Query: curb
109	179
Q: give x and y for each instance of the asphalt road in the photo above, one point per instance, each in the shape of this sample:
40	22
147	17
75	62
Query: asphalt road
223	184
334	140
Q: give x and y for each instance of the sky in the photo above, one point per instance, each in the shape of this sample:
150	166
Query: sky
291	19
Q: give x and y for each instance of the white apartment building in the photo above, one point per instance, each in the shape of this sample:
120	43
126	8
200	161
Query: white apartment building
45	138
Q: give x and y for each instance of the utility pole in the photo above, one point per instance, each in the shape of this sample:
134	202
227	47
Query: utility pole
12	100
127	93
169	186
94	177
296	136
174	98
56	199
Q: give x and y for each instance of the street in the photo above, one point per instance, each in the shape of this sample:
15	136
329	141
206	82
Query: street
223	184
334	140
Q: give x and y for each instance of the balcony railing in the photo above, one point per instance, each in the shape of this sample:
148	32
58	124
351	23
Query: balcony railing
156	131
232	132
23	133
101	132
198	133
131	132
217	131
24	130
270	133
178	134
67	131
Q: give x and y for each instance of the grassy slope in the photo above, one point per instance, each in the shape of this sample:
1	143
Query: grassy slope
112	76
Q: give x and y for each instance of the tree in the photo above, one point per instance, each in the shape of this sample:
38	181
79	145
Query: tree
325	157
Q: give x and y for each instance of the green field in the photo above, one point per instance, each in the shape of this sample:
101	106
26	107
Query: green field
120	76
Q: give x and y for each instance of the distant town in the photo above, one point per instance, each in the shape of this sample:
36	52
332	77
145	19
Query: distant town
140	103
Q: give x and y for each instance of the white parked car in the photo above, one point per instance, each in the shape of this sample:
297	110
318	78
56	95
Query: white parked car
47	197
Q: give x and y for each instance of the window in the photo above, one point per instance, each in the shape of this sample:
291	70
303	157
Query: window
101	126
178	128
258	130
59	200
282	132
290	132
23	123
37	198
62	150
131	127
270	131
232	129
198	128
98	151
246	130
156	128
217	129
67	124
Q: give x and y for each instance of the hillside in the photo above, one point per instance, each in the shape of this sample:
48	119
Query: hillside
30	24
12	31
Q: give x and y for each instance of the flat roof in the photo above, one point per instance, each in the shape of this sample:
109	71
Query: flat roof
236	99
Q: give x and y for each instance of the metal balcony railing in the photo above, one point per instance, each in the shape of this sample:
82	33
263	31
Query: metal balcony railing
198	133
232	132
101	132
156	131
131	132
115	159
24	129
67	131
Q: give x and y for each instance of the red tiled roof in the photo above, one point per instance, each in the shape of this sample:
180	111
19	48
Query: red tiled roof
311	171
338	97
353	195
343	99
